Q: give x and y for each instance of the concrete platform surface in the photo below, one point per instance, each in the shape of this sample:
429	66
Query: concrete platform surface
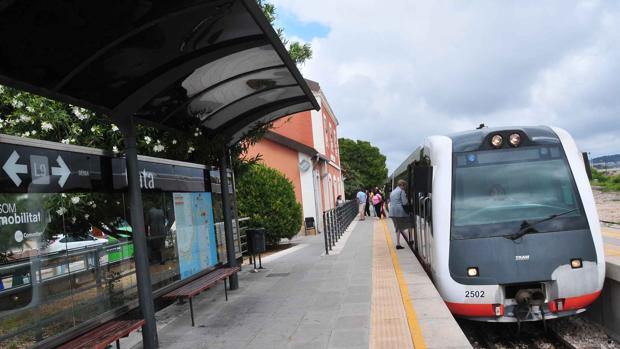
305	299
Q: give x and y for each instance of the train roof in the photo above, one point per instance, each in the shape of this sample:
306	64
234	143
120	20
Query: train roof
471	140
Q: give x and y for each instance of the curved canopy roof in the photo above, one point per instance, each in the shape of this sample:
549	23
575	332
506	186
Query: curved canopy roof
167	63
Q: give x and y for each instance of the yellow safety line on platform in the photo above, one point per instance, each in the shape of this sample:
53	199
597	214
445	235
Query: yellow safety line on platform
412	320
607	232
389	328
611	251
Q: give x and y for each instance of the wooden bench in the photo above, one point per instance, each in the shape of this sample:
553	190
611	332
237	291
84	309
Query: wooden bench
102	336
193	288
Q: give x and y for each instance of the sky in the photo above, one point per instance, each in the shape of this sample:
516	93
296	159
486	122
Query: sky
396	74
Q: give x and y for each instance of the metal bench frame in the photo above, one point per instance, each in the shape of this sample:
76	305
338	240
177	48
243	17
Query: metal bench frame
195	287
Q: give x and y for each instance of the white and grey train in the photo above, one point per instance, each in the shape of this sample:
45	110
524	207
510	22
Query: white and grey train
504	221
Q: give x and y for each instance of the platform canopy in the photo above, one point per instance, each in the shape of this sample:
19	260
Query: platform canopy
169	64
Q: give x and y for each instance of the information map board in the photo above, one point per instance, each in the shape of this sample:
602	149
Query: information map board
195	232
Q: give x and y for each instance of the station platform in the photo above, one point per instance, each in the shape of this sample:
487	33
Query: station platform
364	294
611	239
605	311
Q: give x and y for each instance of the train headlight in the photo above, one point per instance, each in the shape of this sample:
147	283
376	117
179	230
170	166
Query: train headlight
497	141
515	139
575	263
472	271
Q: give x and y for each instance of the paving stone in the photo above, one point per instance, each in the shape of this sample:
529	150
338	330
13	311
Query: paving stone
362	308
352	322
348	339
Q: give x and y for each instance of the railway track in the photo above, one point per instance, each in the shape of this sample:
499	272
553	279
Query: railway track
567	333
504	336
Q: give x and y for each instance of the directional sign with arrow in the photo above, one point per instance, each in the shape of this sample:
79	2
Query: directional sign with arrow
12	168
63	171
28	169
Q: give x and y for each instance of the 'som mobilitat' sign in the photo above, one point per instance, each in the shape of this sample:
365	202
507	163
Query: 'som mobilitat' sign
17	218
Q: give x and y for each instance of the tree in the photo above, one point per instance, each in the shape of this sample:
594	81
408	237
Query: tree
363	165
268	198
299	52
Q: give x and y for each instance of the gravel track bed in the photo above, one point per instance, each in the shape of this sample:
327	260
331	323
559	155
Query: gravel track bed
581	333
566	333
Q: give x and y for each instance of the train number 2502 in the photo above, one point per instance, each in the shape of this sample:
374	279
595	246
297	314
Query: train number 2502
474	294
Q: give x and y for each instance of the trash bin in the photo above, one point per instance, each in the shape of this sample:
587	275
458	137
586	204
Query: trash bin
256	240
309	225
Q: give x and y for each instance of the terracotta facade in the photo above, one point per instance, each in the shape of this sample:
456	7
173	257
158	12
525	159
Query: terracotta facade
304	147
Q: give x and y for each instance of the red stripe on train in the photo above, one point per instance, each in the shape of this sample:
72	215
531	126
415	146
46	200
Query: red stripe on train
475	309
488	310
573	303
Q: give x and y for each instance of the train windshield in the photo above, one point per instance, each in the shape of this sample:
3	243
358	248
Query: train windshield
496	191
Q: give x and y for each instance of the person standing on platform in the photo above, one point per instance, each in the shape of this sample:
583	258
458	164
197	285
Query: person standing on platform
361	203
400	216
339	201
367	206
376	203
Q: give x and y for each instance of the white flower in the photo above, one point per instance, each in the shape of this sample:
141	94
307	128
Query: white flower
65	141
94	205
114	128
75	199
93	129
73	220
80	113
158	148
115	149
61	211
33	132
26	134
16	103
1	89
148	139
190	150
86	216
63	195
30	109
25	118
46	126
174	141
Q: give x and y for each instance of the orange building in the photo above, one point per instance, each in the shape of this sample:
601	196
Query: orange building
304	147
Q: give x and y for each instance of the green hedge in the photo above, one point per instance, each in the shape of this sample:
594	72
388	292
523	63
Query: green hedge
268	198
606	182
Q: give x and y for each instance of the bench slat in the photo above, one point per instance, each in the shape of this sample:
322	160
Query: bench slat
99	337
197	286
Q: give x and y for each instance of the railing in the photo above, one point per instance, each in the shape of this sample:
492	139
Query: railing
336	221
51	267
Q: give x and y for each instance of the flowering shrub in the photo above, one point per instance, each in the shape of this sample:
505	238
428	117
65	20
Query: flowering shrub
27	115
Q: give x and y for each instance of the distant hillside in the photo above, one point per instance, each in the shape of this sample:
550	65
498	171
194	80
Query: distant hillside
607	159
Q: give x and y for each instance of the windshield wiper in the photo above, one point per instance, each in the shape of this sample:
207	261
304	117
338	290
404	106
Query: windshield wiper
527	227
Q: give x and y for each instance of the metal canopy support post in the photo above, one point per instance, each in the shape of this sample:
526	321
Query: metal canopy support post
143	276
228	230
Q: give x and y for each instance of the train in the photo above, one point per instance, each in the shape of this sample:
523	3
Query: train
504	222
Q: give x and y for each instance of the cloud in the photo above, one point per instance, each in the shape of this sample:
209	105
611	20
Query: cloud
396	74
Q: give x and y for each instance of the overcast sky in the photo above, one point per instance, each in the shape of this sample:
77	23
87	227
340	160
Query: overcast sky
399	73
